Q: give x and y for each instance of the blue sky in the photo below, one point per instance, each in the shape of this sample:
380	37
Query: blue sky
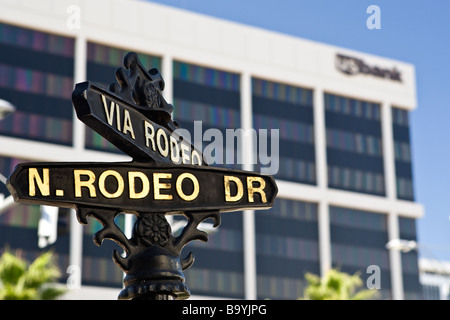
414	31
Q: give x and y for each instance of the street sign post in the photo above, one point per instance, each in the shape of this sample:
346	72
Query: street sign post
168	176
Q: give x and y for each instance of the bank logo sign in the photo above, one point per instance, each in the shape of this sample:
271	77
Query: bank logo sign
353	66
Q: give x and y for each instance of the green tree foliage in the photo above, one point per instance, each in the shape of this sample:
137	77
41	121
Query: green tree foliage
337	285
22	281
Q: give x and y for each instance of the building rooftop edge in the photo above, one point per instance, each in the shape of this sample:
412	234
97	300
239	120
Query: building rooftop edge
221	43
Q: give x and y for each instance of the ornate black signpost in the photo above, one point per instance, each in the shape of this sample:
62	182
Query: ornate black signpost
167	176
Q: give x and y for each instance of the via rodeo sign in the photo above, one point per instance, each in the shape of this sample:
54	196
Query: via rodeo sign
167	176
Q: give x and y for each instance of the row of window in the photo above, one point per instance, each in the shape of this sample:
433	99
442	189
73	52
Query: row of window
282	92
352	107
110	56
286	288
36	40
354	142
356	180
48	128
35	81
288	129
206	76
287	247
210	115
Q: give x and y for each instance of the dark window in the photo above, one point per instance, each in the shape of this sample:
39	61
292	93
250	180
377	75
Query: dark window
354	145
36	76
290	110
402	151
286	248
358	240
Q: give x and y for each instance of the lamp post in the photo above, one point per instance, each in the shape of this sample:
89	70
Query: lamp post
5	203
6	108
402	245
396	247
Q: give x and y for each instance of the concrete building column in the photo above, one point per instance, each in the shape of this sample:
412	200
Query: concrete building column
395	259
250	279
322	180
76	229
80	65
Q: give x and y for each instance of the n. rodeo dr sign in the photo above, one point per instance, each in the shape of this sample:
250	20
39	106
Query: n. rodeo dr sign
133	187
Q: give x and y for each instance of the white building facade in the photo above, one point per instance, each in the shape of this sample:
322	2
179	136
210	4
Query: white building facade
345	169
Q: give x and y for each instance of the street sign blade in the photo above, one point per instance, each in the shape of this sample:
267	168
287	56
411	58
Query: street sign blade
137	187
131	128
